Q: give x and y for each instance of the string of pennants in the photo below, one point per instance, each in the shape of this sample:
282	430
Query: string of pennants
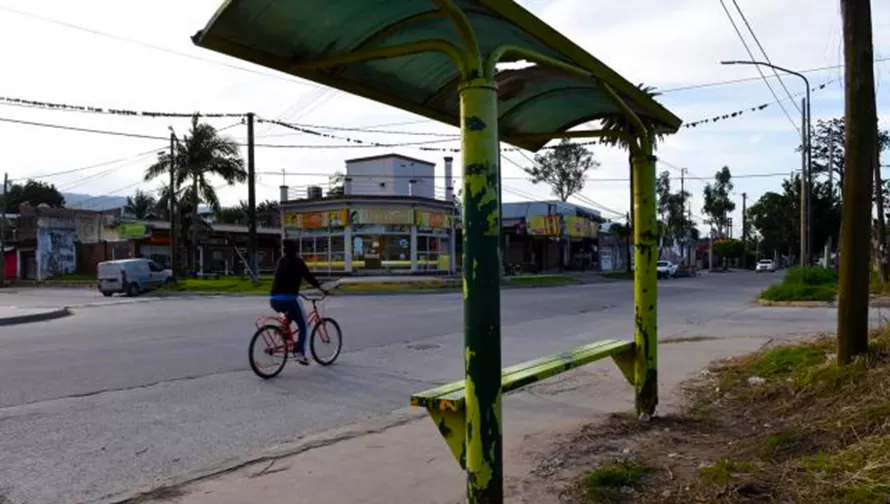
104	110
738	113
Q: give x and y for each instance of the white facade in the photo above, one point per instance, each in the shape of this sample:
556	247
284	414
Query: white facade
391	175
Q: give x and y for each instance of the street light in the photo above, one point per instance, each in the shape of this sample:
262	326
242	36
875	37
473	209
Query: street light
805	180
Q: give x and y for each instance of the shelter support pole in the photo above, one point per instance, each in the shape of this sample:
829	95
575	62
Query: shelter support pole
645	281
481	291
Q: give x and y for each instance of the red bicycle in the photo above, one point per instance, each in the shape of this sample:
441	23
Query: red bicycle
274	340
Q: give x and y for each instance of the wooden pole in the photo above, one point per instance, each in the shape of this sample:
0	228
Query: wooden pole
860	145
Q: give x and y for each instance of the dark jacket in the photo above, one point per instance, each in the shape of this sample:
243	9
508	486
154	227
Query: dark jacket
289	274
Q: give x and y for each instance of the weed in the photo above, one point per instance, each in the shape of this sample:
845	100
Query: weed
609	483
724	471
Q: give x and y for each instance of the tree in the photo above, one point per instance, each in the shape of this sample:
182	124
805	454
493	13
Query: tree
728	249
828	148
564	168
201	155
233	215
718	204
337	184
34	193
141	205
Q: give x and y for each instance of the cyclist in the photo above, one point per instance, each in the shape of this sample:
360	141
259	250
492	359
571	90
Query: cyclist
285	296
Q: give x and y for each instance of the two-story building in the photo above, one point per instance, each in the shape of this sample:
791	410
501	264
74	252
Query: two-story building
388	220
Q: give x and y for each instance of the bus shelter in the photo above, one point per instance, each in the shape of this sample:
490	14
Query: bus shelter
440	59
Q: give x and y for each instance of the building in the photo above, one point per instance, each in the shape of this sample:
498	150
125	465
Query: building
550	235
388	220
390	175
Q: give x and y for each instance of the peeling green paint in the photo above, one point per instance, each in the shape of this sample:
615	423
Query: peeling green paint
482	333
645	283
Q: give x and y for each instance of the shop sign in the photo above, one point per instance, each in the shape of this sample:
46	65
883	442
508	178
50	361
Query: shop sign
132	230
544	225
404	216
579	227
433	219
315	220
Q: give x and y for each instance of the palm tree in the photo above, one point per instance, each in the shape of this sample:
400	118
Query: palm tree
141	205
622	124
200	155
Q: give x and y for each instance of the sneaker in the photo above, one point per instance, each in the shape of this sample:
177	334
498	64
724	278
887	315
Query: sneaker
301	359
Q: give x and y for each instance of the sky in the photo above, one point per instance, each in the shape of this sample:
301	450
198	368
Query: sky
139	56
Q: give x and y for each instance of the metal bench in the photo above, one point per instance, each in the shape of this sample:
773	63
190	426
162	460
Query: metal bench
446	404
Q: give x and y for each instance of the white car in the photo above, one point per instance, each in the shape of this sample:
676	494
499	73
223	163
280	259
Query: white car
766	265
666	269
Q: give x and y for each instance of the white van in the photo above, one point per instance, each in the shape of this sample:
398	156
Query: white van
131	276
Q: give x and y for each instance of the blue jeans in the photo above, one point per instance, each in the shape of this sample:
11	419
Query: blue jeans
292	306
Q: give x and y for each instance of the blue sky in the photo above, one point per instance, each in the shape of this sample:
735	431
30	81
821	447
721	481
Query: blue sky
666	44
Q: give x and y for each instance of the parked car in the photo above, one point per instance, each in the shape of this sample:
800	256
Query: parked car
766	265
666	269
131	276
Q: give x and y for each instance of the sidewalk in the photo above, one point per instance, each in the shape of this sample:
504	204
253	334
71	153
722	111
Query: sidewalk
10	315
402	459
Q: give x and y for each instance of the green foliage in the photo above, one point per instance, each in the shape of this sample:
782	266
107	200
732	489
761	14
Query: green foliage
718	201
723	472
141	205
795	292
606	483
810	275
564	168
32	192
729	249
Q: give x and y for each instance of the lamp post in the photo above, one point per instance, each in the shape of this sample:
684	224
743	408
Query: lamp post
806	154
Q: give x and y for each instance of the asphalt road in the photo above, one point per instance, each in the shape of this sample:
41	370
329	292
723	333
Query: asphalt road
126	394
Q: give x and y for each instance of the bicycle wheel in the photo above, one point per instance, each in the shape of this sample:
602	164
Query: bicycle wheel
268	351
326	341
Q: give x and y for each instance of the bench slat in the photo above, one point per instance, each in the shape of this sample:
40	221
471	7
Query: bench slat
451	396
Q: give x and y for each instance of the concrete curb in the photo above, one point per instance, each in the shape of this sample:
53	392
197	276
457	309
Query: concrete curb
873	303
35	317
304	444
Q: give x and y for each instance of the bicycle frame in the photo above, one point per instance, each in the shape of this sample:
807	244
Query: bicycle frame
284	321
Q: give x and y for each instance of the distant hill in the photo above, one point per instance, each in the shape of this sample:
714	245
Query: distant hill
90	202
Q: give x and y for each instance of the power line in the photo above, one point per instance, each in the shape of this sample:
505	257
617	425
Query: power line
152	46
67	107
83	168
763	51
759	70
703	85
429	177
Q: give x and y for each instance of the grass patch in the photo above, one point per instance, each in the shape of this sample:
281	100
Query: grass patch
223	285
610	483
619	275
782	425
540	281
804	284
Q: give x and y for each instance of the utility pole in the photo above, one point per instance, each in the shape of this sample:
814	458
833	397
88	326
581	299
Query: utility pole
882	224
174	242
804	188
3	233
683	211
829	245
745	229
251	200
860	145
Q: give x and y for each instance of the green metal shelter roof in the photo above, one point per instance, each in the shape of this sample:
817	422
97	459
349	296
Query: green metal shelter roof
283	34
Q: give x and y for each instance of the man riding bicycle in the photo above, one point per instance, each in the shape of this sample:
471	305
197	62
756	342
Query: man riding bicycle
285	296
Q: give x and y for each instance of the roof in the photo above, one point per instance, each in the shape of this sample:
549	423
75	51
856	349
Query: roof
516	210
288	35
356	198
385	156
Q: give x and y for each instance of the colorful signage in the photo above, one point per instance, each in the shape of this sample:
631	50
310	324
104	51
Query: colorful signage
387	216
315	220
579	227
132	230
432	219
544	225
